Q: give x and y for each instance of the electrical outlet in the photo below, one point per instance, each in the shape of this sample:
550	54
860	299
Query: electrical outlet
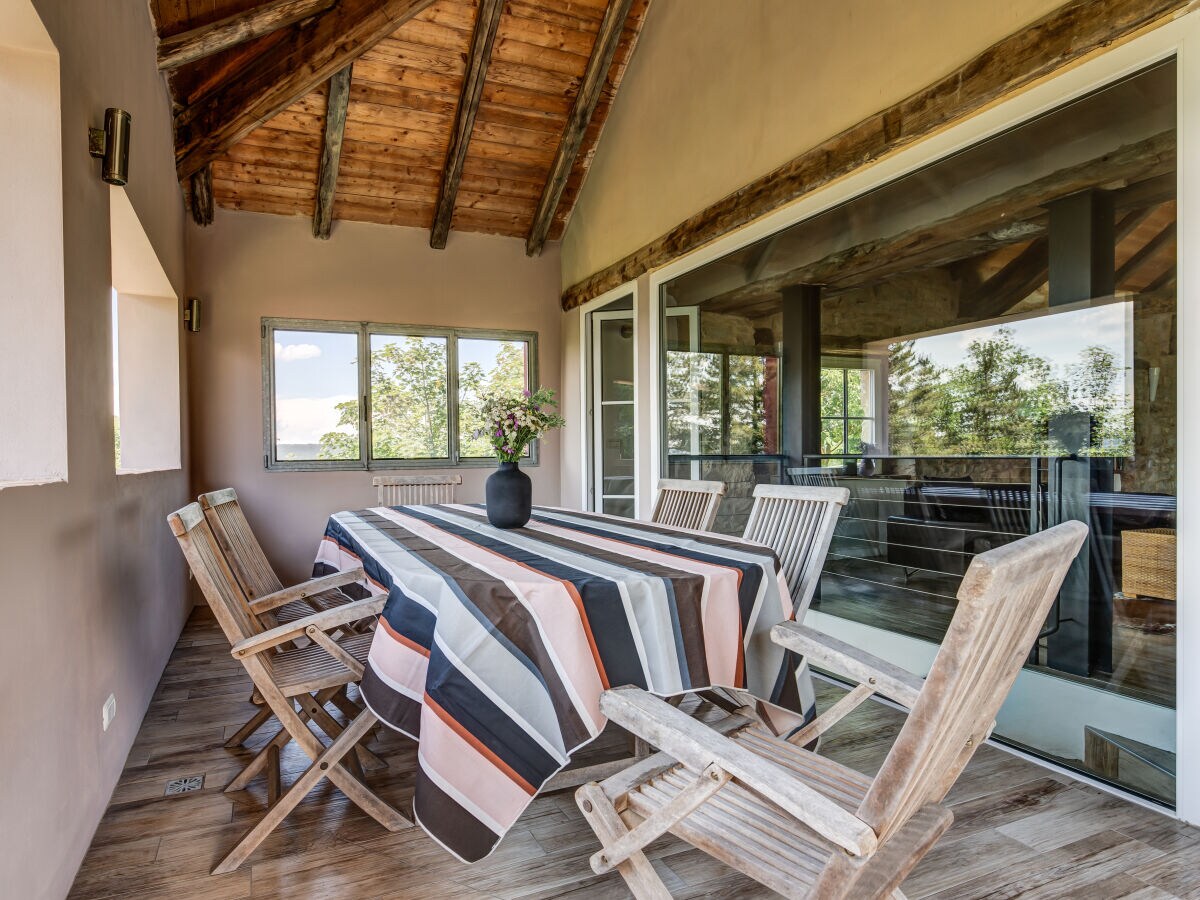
109	712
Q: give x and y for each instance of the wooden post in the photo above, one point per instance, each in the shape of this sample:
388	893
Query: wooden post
201	200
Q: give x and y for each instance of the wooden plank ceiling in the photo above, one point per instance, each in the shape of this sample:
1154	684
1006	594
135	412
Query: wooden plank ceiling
496	106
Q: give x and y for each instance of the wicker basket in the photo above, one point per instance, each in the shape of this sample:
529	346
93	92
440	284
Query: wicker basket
1148	563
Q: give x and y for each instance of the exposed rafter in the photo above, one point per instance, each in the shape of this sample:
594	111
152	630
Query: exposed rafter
577	122
1019	278
201	196
1151	247
197	43
310	53
487	21
331	150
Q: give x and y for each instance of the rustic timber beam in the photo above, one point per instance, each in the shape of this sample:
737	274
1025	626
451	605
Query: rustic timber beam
487	22
1020	277
197	43
577	122
1151	247
310	53
331	150
1061	38
201	196
964	233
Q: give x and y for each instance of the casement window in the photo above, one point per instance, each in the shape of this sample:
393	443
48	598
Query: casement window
352	395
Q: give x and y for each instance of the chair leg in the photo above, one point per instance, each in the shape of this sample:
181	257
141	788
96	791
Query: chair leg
262	759
330	726
639	875
239	737
273	775
325	764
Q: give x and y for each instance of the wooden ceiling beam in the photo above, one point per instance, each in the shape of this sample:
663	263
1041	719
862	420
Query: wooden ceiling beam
964	233
1019	278
331	150
580	117
201	196
1152	246
487	23
197	43
310	54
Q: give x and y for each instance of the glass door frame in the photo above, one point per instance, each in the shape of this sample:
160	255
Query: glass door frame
588	392
598	403
1179	38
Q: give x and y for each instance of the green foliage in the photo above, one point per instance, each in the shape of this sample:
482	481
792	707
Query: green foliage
409	418
1000	400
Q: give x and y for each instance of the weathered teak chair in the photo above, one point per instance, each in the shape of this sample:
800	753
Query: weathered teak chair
687	504
309	675
797	523
269	602
805	825
415	490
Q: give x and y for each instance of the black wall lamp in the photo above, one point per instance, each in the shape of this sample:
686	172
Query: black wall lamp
111	144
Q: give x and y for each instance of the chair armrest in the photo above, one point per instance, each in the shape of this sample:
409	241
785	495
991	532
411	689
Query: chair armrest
306	589
697	746
820	649
325	621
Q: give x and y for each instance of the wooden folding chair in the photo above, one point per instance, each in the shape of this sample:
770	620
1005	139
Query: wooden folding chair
805	825
796	521
269	602
687	504
415	490
284	674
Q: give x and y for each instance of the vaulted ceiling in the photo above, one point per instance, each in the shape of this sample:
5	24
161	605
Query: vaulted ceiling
471	115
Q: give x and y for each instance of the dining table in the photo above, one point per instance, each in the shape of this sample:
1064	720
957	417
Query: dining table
495	645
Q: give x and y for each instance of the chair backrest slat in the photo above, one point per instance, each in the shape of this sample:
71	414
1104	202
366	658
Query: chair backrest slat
687	504
415	490
216	579
242	550
796	521
1002	603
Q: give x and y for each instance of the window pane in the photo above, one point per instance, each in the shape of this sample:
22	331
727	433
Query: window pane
831	436
486	366
408	397
749	419
693	402
316	395
833	396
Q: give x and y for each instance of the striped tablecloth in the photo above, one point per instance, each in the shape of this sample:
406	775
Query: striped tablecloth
494	646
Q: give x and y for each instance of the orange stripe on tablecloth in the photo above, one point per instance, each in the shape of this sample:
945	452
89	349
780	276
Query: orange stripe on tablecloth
401	639
480	748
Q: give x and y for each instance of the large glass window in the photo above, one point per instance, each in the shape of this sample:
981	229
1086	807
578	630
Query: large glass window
977	351
422	390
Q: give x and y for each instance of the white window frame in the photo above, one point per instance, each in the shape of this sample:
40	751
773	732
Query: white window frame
1179	38
363	332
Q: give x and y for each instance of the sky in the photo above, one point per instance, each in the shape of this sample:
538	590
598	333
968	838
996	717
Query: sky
316	370
1058	337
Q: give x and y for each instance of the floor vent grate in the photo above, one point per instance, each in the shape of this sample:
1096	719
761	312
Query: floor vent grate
184	785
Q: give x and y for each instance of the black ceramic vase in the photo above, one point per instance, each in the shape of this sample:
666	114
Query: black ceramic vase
509	494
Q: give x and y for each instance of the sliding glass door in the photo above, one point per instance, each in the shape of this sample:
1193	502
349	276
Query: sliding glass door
978	351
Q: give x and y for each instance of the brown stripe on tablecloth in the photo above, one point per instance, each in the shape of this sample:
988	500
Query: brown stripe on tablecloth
709	538
454	826
501	608
396	709
688	587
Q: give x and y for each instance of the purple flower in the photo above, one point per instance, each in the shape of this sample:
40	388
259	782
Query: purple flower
526	393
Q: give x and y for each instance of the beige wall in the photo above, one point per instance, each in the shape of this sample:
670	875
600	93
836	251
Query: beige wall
93	587
246	266
720	93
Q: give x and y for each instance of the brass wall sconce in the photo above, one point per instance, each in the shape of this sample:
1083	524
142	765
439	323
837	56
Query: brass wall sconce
111	144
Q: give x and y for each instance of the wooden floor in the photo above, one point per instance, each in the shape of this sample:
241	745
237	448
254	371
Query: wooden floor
1019	831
